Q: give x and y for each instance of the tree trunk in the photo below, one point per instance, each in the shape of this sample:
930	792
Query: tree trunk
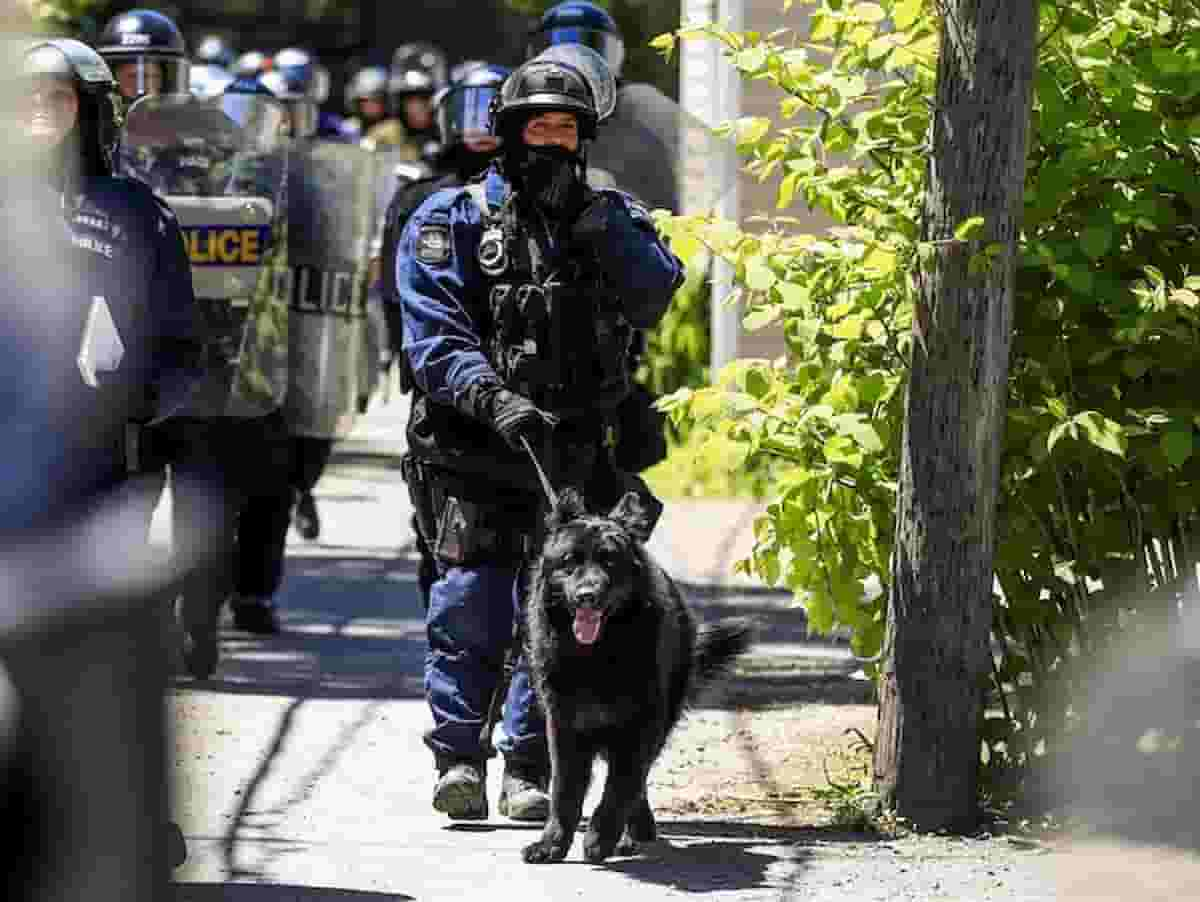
936	664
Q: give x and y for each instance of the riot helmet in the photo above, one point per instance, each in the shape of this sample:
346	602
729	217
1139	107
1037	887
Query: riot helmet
578	22
418	72
367	94
146	53
251	64
207	80
97	124
214	50
463	107
302	85
565	78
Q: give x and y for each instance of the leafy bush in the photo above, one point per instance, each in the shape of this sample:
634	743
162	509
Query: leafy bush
1100	473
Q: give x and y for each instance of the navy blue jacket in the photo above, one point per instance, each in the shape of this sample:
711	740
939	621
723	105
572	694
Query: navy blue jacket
444	311
65	440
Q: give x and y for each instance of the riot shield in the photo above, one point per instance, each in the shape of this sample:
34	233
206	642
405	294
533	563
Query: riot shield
330	200
219	166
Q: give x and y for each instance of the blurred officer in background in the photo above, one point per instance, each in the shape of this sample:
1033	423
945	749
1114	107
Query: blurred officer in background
296	77
146	53
418	72
212	65
251	64
367	96
518	297
101	338
214	50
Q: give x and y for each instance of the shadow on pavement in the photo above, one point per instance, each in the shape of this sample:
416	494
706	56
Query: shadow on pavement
274	892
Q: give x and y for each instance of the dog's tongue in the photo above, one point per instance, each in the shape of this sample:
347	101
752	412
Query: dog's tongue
587	625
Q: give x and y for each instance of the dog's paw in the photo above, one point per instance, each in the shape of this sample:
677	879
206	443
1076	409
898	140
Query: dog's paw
596	847
544	851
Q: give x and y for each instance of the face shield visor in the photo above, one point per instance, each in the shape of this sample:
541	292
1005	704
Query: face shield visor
462	115
610	48
595	71
150	75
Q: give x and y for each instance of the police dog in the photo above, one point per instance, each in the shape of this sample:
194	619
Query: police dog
615	656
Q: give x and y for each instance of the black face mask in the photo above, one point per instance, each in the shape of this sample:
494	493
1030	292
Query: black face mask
550	176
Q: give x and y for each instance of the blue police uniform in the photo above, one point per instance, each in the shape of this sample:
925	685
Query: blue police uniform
127	250
444	307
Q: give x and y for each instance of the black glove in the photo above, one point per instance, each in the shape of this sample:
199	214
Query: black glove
594	225
515	417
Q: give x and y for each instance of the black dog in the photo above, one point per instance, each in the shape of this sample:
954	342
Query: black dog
615	656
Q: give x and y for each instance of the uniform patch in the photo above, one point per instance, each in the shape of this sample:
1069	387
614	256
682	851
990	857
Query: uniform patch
433	244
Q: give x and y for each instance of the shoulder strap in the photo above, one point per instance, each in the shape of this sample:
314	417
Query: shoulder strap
478	192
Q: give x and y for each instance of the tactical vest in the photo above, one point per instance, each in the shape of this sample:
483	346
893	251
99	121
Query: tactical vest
555	330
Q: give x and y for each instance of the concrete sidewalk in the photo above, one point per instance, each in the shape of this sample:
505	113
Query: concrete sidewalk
301	775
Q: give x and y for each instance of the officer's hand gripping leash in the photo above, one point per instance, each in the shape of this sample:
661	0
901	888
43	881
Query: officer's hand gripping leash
514	648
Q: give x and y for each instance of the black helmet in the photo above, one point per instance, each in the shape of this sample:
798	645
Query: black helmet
214	50
146	53
417	69
99	121
568	79
578	22
464	105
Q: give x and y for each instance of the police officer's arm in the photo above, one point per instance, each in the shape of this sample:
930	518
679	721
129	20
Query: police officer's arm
637	262
177	327
438	284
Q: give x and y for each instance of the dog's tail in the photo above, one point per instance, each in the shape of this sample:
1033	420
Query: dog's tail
717	645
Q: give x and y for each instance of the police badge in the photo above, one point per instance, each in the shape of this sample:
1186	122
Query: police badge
433	244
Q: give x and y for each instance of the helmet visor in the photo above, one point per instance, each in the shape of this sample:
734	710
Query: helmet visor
595	71
610	47
462	112
151	75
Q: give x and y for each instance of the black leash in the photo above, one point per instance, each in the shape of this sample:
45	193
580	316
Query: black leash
510	657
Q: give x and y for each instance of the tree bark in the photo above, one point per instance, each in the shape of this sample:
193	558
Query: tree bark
935	664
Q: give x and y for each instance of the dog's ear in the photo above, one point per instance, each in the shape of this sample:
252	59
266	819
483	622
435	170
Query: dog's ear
634	515
568	506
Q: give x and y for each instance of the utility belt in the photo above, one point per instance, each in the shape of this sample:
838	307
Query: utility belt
467	522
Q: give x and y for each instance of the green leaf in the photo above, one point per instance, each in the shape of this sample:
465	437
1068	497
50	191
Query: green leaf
970	229
1096	240
1178	444
1106	434
906	13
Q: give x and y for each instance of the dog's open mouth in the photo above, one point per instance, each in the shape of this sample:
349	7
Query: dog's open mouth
587	625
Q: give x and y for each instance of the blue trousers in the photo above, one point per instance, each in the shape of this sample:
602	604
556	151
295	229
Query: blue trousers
469	624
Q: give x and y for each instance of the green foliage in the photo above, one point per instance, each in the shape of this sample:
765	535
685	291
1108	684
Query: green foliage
1100	473
67	17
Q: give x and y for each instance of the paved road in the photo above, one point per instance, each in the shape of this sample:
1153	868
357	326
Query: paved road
301	775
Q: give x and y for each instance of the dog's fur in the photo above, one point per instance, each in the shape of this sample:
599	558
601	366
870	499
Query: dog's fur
615	655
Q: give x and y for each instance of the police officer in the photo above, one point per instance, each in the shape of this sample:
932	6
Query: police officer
146	52
367	96
639	145
418	72
518	295
214	50
112	345
297	78
466	150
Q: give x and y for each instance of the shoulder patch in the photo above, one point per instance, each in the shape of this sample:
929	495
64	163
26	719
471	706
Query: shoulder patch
433	243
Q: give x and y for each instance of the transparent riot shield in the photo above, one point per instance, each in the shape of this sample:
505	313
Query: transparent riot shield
219	164
330	193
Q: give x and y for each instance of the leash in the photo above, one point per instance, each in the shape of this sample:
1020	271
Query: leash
496	706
